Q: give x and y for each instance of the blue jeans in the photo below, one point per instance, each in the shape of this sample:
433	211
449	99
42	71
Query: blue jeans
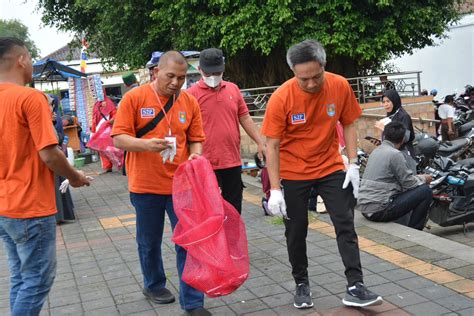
150	209
416	200
30	245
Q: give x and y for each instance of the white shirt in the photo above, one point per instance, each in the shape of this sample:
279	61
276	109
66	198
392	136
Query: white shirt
445	111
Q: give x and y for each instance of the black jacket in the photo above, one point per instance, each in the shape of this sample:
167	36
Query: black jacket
398	114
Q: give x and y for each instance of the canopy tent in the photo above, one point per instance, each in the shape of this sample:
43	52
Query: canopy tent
50	70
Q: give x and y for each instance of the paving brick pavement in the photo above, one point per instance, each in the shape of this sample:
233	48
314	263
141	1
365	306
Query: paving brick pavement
99	272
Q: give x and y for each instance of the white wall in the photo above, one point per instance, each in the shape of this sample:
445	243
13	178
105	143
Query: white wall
450	65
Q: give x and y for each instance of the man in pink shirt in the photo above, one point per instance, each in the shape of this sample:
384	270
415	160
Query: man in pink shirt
222	110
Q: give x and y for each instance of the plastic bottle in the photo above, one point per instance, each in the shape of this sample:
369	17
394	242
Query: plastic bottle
70	156
455	181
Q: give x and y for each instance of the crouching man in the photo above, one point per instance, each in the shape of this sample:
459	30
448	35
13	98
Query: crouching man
389	189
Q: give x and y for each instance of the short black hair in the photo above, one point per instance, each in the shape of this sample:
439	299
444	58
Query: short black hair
449	98
394	132
7	43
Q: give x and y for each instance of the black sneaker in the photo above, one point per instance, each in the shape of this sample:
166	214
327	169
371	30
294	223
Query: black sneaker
200	311
303	296
359	296
162	296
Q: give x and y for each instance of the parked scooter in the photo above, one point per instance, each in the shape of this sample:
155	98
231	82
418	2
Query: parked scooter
453	195
428	148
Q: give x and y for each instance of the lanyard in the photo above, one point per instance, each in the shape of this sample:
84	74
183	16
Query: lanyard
162	108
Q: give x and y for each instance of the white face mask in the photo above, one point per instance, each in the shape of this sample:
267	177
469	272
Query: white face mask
212	81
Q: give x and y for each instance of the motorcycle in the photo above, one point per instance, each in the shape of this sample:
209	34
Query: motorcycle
453	194
428	148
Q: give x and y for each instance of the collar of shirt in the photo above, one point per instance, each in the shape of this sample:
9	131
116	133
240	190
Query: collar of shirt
388	143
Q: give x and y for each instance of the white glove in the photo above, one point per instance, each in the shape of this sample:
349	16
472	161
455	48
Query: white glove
165	154
276	204
65	184
169	153
352	176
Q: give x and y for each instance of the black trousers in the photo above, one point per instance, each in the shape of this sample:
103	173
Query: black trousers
340	205
230	182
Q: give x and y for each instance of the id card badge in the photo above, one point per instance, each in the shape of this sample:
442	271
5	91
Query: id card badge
172	141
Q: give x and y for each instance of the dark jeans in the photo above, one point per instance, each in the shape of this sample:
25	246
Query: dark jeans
230	182
444	133
150	209
30	245
416	200
340	205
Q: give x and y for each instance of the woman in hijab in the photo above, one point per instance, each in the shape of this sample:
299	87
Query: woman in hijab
395	112
103	111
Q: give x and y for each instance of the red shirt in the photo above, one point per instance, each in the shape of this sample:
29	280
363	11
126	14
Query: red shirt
221	110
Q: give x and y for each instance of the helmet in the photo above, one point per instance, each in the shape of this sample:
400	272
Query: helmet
427	147
468	89
433	92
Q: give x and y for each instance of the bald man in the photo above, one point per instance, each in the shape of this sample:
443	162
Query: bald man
29	157
150	171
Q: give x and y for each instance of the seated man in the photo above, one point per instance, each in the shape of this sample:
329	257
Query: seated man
389	189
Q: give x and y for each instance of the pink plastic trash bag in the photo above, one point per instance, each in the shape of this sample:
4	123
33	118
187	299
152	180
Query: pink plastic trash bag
102	142
210	229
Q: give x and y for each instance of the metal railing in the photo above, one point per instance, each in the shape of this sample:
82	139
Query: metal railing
367	89
257	98
370	88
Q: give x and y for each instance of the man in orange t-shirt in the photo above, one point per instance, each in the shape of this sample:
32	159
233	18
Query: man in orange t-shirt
29	156
303	150
150	175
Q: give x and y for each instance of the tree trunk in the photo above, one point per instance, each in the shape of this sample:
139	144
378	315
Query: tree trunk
342	65
251	70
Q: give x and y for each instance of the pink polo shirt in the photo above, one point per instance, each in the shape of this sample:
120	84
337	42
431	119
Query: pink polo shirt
221	109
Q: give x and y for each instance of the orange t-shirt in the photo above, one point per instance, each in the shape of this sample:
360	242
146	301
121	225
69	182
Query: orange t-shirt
305	123
146	171
26	127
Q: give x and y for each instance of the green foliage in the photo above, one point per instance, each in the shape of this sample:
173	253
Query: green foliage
15	28
277	221
358	35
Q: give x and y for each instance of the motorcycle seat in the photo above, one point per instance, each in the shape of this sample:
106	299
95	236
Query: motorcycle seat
465	128
468	163
452	146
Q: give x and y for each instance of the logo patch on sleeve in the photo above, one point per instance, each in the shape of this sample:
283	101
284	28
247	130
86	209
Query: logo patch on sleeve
182	117
147	112
299	118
